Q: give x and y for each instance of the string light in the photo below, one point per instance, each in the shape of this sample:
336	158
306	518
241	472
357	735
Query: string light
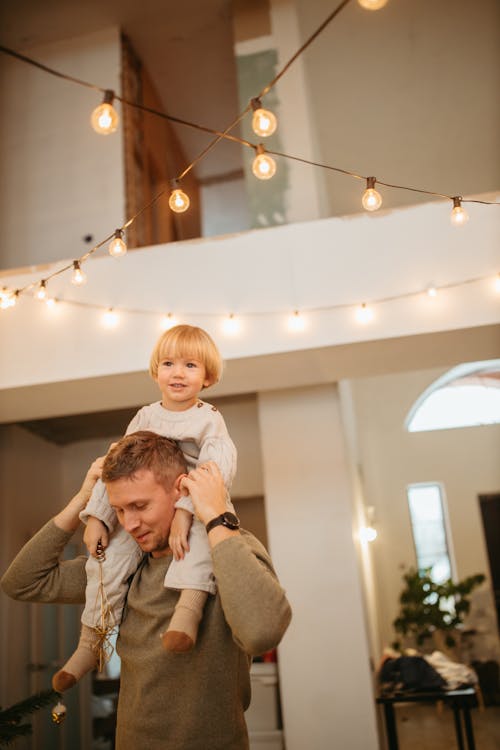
264	122
263	166
51	303
104	118
497	283
78	278
8	298
431	291
459	215
296	322
364	314
367	534
372	4
110	318
41	292
117	246
371	200
167	322
231	325
179	200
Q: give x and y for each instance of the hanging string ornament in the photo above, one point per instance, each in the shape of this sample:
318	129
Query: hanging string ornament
106	626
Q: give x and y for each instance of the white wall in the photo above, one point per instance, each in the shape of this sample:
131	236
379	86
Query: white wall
464	460
323	660
323	268
64	180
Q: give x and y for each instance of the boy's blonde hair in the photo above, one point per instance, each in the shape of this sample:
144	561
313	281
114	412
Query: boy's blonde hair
188	341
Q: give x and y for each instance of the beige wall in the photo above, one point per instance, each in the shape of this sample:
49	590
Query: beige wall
464	460
408	94
64	180
29	495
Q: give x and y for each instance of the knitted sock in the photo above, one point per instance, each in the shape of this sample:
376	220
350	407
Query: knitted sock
183	627
83	660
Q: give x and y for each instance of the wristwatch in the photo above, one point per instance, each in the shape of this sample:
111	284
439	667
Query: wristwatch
229	520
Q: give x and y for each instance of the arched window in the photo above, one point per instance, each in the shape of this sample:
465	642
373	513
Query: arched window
466	396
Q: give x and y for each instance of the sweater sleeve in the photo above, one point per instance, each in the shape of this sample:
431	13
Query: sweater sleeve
38	575
216	445
255	605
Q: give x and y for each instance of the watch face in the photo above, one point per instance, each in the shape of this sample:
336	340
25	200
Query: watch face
231	521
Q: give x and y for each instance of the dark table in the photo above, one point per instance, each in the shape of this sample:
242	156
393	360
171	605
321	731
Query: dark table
460	701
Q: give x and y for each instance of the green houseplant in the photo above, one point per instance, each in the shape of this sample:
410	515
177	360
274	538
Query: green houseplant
433	610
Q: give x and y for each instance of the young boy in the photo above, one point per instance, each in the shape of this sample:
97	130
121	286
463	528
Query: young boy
184	361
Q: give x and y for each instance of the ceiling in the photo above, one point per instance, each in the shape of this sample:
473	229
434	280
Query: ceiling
186	47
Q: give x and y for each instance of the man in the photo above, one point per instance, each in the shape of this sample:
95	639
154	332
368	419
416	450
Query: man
168	701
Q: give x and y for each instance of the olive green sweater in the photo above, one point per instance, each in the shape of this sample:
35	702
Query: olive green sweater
192	701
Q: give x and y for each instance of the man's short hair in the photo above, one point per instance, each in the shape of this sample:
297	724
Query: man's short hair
144	450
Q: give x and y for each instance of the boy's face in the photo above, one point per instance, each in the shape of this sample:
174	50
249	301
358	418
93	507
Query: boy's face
180	380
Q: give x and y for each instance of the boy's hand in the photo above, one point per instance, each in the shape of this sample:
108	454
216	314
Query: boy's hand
95	531
179	533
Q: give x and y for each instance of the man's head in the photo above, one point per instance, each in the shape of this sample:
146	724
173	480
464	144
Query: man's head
142	473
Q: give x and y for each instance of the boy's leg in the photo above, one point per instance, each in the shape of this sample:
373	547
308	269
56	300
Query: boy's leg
183	627
122	558
193	576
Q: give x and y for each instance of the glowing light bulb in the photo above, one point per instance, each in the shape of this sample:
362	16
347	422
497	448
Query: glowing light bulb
497	283
432	291
264	122
459	215
78	278
372	4
296	322
263	166
231	325
104	118
167	322
367	534
8	298
371	200
364	314
51	303
110	318
117	246
41	292
178	201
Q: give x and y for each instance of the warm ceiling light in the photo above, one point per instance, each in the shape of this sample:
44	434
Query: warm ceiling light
104	118
459	215
372	4
117	246
263	166
78	278
264	122
178	201
371	200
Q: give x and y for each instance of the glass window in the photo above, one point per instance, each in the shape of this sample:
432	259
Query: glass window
466	396
425	502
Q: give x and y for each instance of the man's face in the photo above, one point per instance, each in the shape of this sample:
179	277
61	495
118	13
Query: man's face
145	509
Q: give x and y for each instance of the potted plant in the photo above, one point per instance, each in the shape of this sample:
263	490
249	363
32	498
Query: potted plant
434	610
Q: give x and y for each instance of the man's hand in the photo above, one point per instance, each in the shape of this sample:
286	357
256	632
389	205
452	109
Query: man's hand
95	531
179	533
206	488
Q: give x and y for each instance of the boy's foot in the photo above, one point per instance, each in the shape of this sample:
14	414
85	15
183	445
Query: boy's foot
83	660
62	681
174	640
182	631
